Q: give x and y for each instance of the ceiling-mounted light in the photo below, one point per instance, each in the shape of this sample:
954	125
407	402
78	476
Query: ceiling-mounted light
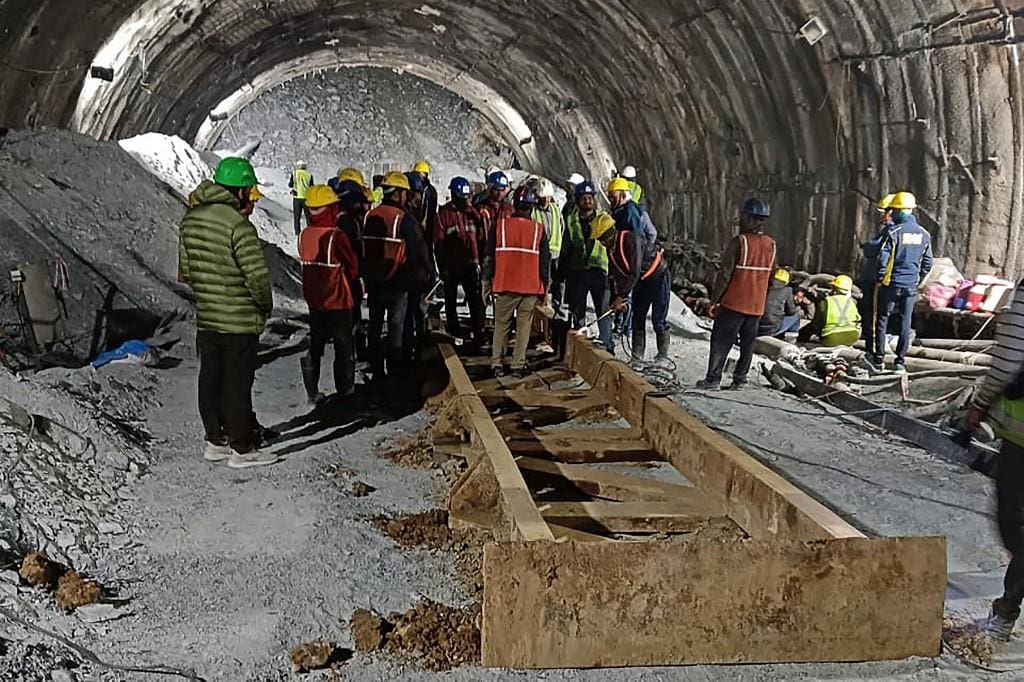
813	31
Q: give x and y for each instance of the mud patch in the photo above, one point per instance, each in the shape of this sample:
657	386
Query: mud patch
967	640
70	590
436	636
368	630
426	529
317	656
73	591
415	451
360	489
39	571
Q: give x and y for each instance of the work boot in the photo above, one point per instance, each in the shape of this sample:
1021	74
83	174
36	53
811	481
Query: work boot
738	383
520	373
708	385
999	627
310	378
638	344
873	364
664	343
497	371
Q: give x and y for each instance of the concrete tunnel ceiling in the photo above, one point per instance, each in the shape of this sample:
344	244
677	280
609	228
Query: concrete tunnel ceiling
713	99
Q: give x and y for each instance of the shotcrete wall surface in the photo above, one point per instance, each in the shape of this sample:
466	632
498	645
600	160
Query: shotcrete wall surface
712	101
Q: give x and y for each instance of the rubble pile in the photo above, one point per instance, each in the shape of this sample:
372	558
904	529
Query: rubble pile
437	636
364	117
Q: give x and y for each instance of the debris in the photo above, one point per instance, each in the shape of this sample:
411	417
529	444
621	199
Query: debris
438	636
368	630
101	612
415	451
38	571
360	489
74	591
967	640
426	529
317	656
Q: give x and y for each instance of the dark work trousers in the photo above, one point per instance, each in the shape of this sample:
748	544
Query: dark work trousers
415	321
334	326
654	292
592	282
866	308
299	209
1010	513
358	328
730	326
468	277
889	301
227	370
392	304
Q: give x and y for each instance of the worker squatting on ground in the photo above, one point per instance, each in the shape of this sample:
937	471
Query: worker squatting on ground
220	257
638	269
781	315
517	264
457	249
869	268
583	264
300	182
1000	401
904	259
391	249
836	319
329	263
739	303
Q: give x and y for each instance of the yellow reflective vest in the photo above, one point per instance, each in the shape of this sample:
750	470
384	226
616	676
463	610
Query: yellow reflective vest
842	321
301	181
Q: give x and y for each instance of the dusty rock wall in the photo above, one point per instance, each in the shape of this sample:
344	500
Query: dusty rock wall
712	101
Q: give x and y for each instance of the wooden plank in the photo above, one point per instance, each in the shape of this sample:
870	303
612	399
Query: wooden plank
534	397
761	501
563	534
590	604
518	515
584	445
682	515
600	483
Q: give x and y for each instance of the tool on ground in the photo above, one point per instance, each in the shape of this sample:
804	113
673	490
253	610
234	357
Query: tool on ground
591	324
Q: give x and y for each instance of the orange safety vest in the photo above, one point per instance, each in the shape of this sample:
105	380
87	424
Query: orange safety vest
748	288
383	245
517	257
622	265
324	277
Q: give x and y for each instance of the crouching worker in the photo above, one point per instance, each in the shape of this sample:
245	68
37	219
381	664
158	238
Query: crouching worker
637	268
781	316
329	263
517	264
836	319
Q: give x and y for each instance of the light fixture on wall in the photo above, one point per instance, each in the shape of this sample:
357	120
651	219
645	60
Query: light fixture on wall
813	31
104	73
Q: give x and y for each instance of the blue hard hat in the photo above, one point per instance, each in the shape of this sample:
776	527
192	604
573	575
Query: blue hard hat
497	179
415	183
584	188
757	208
524	198
459	187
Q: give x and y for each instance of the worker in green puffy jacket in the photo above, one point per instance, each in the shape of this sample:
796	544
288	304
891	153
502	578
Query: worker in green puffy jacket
221	258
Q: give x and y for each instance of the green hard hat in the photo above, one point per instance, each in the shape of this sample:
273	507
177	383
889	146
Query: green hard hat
235	172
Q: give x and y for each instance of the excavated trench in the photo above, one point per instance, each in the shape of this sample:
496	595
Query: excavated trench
712	100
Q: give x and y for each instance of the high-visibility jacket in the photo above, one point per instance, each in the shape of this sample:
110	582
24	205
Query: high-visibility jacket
551	218
455	237
384	246
580	252
748	287
328	265
302	179
842	321
490	215
636	190
517	262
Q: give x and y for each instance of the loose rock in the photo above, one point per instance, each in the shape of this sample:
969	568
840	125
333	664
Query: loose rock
74	591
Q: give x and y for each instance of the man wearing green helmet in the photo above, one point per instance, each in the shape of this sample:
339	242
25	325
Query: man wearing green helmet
220	256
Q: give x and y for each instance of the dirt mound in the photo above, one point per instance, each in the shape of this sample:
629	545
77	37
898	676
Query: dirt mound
437	636
39	571
967	640
74	591
415	451
426	529
317	656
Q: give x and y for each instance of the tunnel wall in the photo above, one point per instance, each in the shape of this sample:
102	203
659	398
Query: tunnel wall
711	100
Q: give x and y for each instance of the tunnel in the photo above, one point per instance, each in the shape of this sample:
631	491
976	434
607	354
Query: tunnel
818	107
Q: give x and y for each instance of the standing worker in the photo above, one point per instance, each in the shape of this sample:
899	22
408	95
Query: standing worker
516	266
494	207
584	265
390	250
1000	401
636	190
574	181
329	264
422	276
904	259
836	319
739	303
300	182
429	204
637	268
549	215
869	268
354	201
221	258
457	248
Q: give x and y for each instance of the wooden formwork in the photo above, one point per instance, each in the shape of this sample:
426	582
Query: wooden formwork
591	568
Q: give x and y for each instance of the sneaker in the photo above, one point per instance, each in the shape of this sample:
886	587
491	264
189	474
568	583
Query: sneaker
899	368
216	452
254	458
545	348
637	364
999	627
706	385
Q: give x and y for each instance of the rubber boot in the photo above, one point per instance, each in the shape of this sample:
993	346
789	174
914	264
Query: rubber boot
638	345
310	377
664	342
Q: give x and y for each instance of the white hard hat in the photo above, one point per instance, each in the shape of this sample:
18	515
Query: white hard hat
547	190
576	179
629	172
300	164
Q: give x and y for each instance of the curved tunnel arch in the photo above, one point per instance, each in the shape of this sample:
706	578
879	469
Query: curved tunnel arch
712	100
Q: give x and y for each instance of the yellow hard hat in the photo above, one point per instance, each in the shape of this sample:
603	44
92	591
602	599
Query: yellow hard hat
885	203
782	275
395	180
619	185
600	225
421	166
320	196
353	174
843	283
903	201
255	194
